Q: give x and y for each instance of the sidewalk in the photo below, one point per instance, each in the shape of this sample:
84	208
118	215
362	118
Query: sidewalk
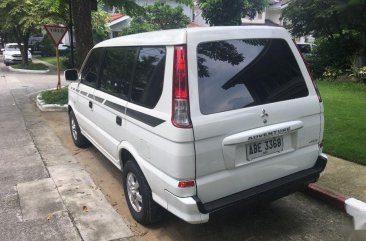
50	66
345	178
44	193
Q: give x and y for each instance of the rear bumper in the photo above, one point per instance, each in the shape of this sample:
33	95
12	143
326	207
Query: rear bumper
268	191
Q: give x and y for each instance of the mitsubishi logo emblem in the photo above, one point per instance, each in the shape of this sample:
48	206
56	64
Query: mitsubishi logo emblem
264	116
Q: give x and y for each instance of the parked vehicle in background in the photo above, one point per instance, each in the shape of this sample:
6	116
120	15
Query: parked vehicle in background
200	119
306	48
63	49
12	54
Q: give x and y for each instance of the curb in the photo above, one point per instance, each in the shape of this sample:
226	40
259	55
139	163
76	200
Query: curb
49	107
29	71
352	206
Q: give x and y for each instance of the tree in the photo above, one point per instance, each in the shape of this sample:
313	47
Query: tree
230	12
339	22
100	29
158	16
81	12
21	18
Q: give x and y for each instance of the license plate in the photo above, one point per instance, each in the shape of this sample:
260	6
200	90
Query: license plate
265	147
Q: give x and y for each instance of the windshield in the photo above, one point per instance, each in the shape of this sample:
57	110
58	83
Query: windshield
12	48
235	74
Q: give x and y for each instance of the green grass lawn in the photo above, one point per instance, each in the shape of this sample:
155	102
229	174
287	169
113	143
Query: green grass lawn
30	66
50	60
345	119
55	96
53	60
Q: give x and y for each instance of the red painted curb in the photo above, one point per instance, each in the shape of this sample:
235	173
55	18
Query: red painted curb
330	197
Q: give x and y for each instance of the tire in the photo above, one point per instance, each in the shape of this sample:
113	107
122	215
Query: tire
7	64
138	195
76	135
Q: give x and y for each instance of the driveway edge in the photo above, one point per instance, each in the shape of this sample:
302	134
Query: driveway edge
352	206
28	71
49	107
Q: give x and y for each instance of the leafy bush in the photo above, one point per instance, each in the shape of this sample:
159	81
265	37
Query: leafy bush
46	46
359	73
335	53
332	73
65	61
59	97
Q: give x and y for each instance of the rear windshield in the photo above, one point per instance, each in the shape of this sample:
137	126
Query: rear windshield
235	74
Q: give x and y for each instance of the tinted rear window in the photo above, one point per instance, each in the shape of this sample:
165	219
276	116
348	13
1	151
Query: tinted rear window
148	81
235	74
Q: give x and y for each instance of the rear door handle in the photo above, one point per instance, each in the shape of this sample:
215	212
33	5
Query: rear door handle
119	120
90	105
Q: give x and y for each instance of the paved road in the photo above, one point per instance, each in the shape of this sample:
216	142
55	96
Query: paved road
296	217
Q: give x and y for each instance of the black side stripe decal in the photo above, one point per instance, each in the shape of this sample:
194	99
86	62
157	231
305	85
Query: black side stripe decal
97	98
115	106
147	119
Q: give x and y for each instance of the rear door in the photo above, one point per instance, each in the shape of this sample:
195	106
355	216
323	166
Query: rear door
255	113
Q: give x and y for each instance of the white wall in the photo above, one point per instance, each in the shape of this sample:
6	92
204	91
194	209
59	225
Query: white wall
274	15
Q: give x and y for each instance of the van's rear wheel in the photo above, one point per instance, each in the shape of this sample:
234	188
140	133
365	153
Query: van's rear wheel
138	195
78	138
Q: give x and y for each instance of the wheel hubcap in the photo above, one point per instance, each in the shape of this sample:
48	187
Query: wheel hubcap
73	129
133	189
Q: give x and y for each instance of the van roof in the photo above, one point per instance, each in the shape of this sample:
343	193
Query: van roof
178	36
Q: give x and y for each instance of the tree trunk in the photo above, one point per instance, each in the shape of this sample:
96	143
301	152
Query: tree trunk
81	13
22	39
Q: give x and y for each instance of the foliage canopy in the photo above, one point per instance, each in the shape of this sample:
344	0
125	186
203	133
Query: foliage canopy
230	12
158	16
338	25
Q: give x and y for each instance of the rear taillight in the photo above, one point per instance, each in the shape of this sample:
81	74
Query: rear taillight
310	73
184	184
180	113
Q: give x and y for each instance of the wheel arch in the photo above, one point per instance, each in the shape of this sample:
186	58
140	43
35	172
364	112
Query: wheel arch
69	109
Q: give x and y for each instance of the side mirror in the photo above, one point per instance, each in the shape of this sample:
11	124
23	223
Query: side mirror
2	50
71	74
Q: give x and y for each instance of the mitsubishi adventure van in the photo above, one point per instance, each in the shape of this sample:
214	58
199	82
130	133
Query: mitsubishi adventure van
200	119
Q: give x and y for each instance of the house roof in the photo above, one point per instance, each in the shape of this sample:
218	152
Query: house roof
278	4
115	16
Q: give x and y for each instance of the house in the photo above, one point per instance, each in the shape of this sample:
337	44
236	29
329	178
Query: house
272	14
118	22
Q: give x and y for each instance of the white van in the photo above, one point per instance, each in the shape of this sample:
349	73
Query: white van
200	119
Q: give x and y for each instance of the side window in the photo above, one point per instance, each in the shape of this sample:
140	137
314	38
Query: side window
148	80
89	72
117	70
